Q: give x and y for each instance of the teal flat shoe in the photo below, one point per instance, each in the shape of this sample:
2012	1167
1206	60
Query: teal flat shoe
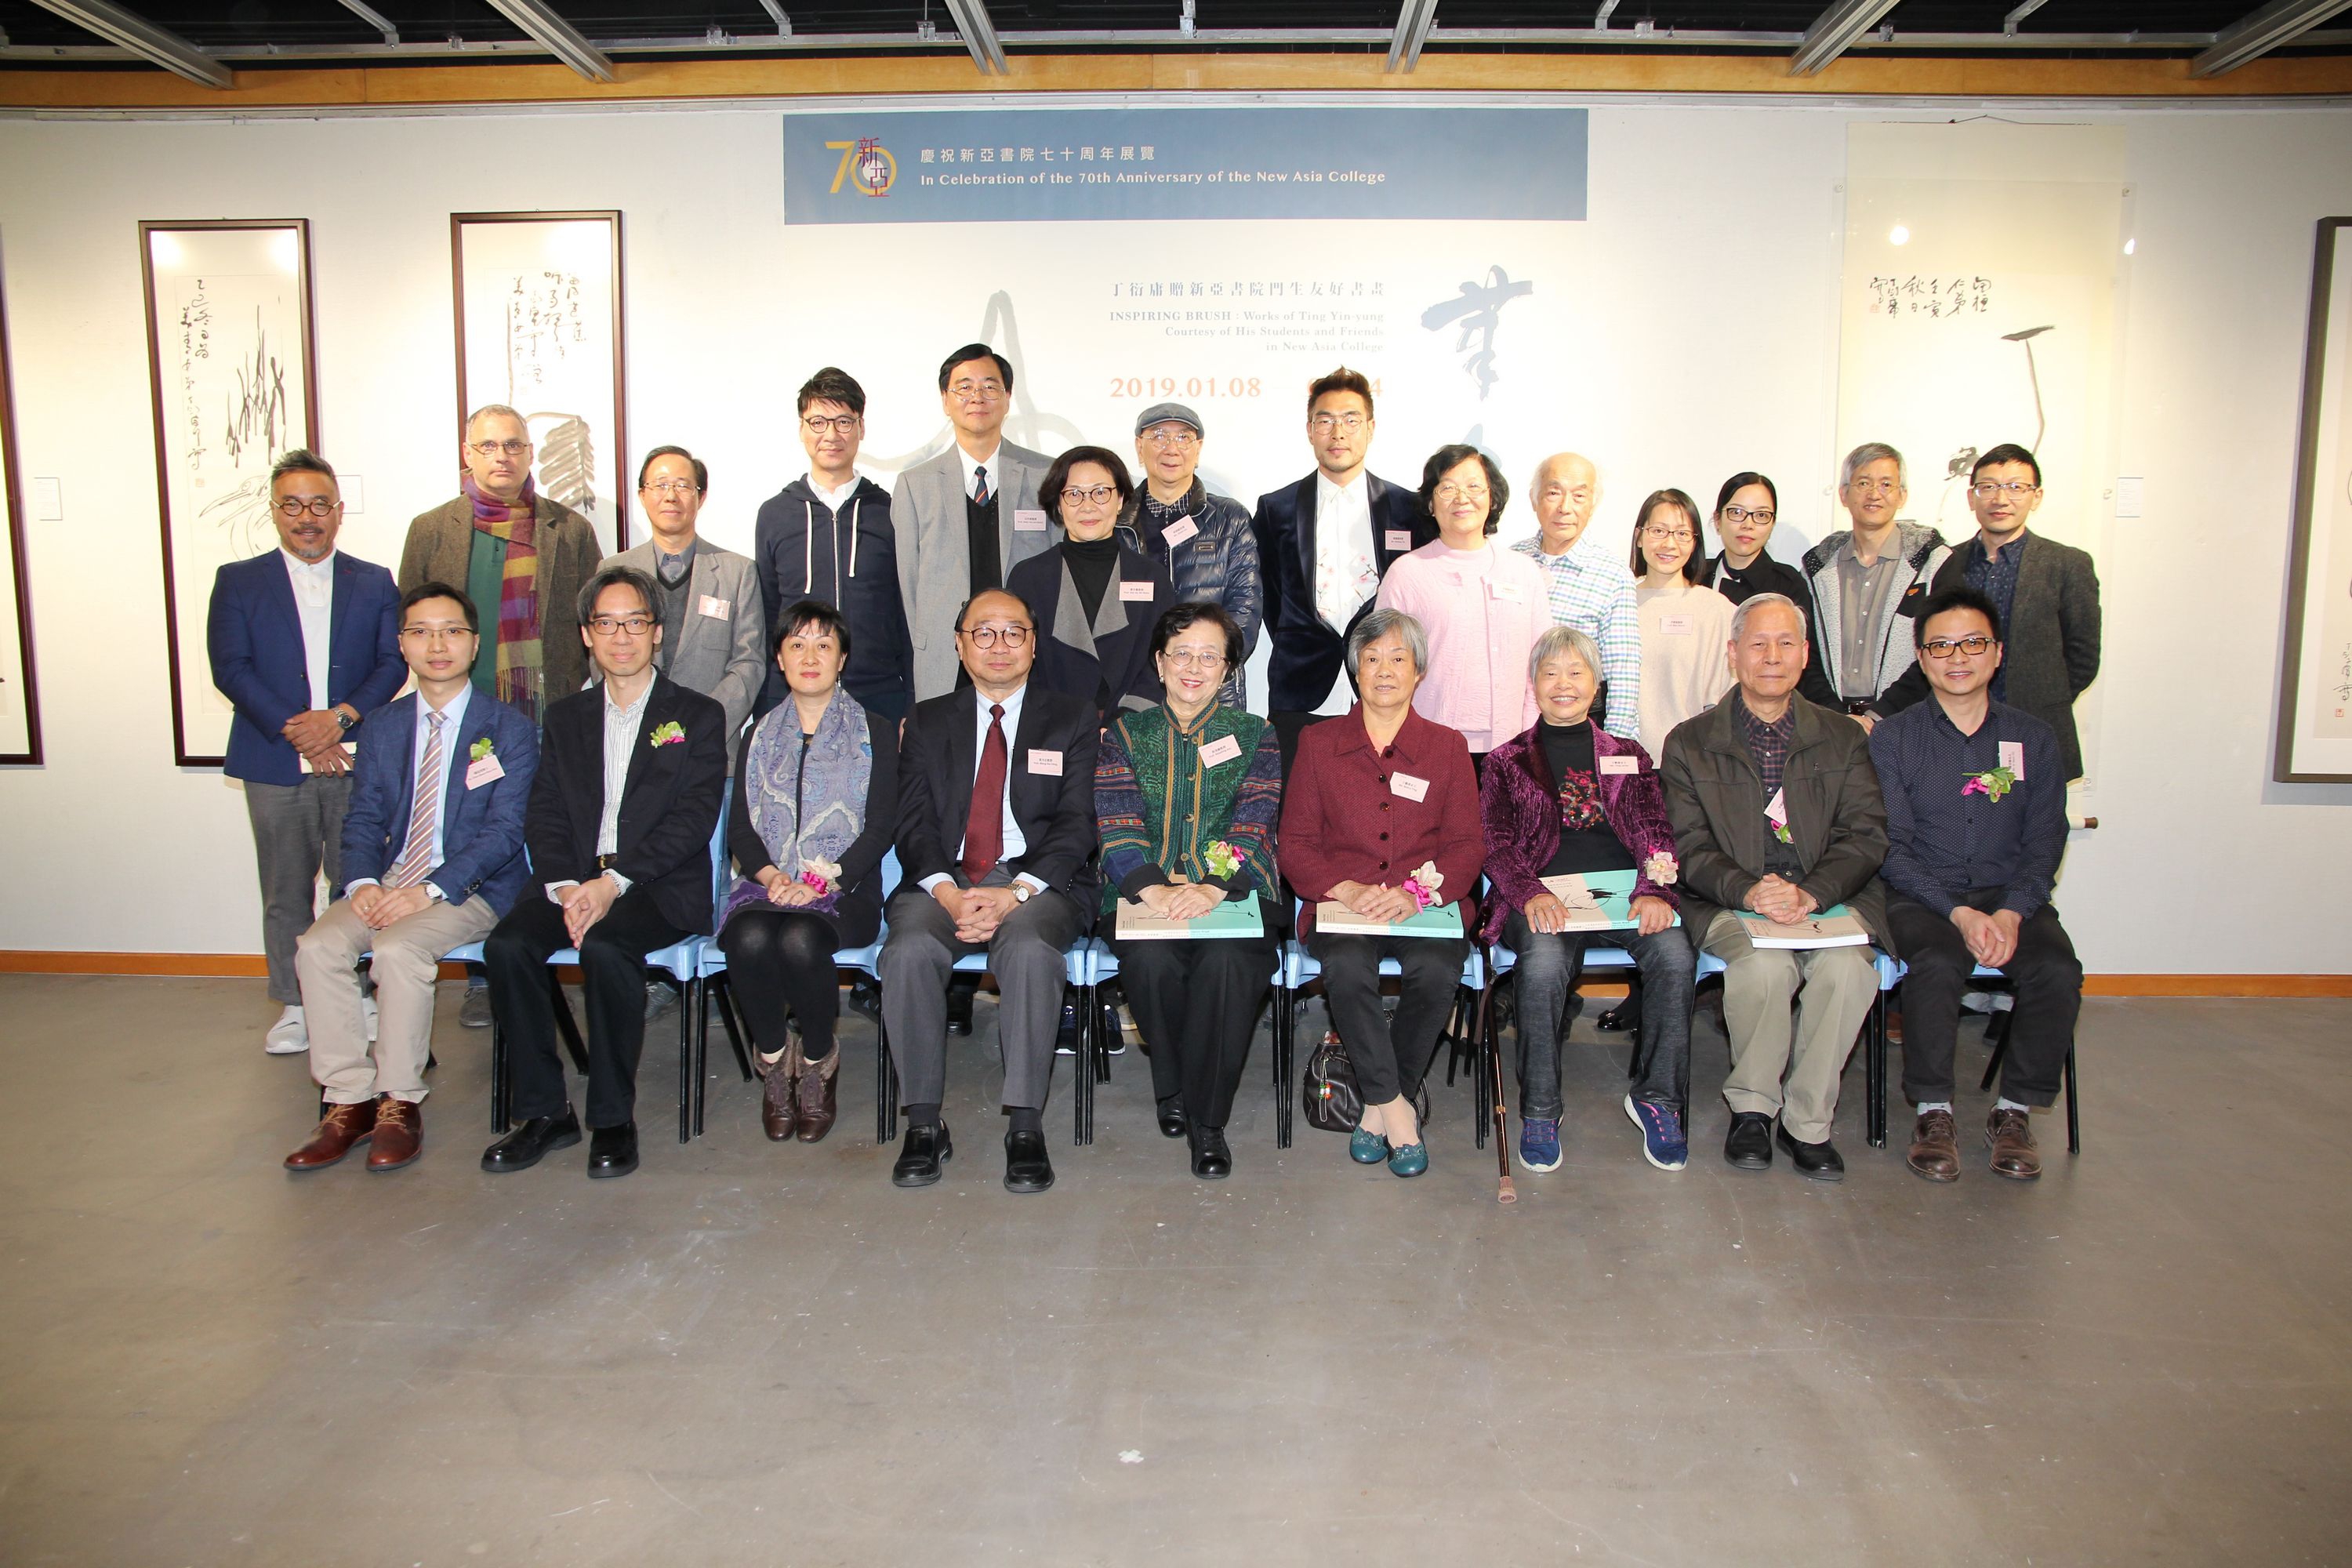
1367	1148
1409	1160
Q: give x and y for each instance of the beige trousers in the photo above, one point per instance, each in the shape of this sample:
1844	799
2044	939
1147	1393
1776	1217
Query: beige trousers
1832	987
407	961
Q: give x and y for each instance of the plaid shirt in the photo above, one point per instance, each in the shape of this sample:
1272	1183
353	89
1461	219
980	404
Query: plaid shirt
1994	576
1590	591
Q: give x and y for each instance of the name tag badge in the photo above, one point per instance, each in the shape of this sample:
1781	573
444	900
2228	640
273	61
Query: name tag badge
1618	764
1178	532
484	771
1674	625
1223	749
1047	762
1400	538
1509	591
1409	786
1028	519
1134	592
1776	810
715	608
2012	757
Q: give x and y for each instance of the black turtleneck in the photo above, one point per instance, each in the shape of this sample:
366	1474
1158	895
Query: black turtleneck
1568	752
1091	563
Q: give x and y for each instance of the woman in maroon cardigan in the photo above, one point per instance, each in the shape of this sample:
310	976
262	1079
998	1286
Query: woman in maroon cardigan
1380	813
1568	798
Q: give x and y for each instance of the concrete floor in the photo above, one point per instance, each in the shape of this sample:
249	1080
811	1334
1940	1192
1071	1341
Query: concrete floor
749	1354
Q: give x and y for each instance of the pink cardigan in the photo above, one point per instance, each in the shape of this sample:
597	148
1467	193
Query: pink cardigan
1482	610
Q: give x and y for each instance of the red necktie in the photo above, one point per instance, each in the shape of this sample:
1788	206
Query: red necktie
983	830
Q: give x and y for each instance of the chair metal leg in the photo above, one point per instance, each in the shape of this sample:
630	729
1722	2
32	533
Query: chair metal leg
1286	1025
1082	1074
685	1067
566	1026
886	1087
501	1092
699	992
1997	1033
1874	1072
729	1020
2073	1117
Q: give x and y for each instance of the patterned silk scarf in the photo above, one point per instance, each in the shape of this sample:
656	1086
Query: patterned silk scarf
519	653
804	812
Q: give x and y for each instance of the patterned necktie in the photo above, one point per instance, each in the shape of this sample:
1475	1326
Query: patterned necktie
980	484
983	830
417	859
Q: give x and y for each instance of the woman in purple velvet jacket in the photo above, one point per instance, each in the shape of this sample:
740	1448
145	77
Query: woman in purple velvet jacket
1568	798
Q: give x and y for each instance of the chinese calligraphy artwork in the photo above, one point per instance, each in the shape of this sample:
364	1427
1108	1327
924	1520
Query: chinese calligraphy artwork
538	329
2315	721
230	354
20	703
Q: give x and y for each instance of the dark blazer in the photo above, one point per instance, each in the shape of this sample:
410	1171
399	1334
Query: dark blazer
937	757
1837	818
669	802
2050	649
481	829
440	548
1306	655
253	634
1107	665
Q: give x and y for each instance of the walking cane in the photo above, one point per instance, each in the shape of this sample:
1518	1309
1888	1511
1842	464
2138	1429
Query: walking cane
1504	1192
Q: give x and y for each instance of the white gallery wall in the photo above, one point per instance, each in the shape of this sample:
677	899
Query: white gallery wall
1711	345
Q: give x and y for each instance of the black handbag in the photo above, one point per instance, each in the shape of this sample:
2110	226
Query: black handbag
1331	1099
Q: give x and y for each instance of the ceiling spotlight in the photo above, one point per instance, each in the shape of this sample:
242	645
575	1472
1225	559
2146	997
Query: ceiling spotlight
1898	235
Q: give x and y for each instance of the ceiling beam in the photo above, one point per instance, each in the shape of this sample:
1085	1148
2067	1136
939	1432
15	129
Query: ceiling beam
776	14
557	36
143	37
1415	20
979	34
1834	31
2280	22
374	18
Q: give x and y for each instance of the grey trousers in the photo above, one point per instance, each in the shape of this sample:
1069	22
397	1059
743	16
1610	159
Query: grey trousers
297	829
1026	956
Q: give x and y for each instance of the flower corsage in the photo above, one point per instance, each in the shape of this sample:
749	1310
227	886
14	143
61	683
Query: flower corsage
1424	883
482	748
1661	868
668	733
1221	858
825	876
1992	784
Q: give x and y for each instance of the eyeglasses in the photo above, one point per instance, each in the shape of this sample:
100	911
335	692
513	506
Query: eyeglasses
1873	486
2016	489
1324	424
1193	659
840	424
614	625
1669	535
1170	436
984	391
990	636
1072	495
1745	514
492	448
1944	648
427	636
674	488
1451	492
292	507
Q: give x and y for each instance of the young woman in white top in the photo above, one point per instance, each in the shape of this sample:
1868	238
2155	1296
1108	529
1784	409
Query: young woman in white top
1685	626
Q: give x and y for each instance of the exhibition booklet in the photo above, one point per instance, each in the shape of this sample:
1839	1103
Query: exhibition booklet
1234	918
1438	919
1831	927
1597	900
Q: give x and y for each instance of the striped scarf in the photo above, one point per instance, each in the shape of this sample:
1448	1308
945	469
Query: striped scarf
520	653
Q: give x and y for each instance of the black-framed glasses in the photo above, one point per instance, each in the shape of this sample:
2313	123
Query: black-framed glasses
1763	514
492	448
614	625
1944	648
990	635
840	424
292	507
1072	494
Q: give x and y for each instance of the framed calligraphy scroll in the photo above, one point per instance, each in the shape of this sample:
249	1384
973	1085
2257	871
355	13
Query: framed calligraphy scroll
20	700
538	329
236	381
2315	717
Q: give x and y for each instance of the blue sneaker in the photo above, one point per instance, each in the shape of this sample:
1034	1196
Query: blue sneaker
1367	1148
1539	1142
1663	1143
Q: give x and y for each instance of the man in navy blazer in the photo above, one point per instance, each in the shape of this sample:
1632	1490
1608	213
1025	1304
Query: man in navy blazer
302	643
433	853
632	775
1323	546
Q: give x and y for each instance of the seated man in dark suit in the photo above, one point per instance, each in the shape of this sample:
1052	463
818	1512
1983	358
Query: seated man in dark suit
631	773
996	843
432	859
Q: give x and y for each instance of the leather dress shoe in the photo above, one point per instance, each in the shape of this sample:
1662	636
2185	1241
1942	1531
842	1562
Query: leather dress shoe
531	1142
1408	1159
813	1094
1748	1145
925	1149
959	998
1173	1122
1212	1161
339	1128
1816	1161
612	1151
1026	1167
2010	1133
1935	1147
399	1134
1613	1022
779	1107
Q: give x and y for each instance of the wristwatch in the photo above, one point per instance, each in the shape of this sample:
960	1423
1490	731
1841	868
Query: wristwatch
344	721
1020	893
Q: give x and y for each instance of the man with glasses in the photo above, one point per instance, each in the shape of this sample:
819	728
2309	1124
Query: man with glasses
1588	587
2045	594
631	773
997	846
1203	540
1868	581
827	536
1976	824
432	851
303	642
1324	544
968	516
522	558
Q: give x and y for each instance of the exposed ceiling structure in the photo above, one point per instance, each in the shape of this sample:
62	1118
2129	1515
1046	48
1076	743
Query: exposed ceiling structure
203	42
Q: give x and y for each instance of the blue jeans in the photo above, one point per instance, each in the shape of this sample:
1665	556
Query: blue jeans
1547	972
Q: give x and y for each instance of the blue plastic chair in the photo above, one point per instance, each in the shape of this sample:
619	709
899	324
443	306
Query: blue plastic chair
1890	975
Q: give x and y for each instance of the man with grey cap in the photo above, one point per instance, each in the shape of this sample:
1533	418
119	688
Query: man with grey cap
1203	540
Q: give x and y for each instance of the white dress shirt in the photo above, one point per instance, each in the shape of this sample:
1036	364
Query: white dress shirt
1016	843
995	474
621	726
834	500
314	597
1347	571
453	719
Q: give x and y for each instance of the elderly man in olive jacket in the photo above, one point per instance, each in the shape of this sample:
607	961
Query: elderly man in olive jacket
1777	812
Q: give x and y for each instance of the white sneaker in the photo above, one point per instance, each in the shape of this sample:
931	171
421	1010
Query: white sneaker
288	1035
368	1015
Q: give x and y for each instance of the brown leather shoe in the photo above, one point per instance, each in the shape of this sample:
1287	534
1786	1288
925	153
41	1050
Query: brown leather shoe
813	1092
777	1115
339	1131
399	1134
2010	1133
1935	1147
